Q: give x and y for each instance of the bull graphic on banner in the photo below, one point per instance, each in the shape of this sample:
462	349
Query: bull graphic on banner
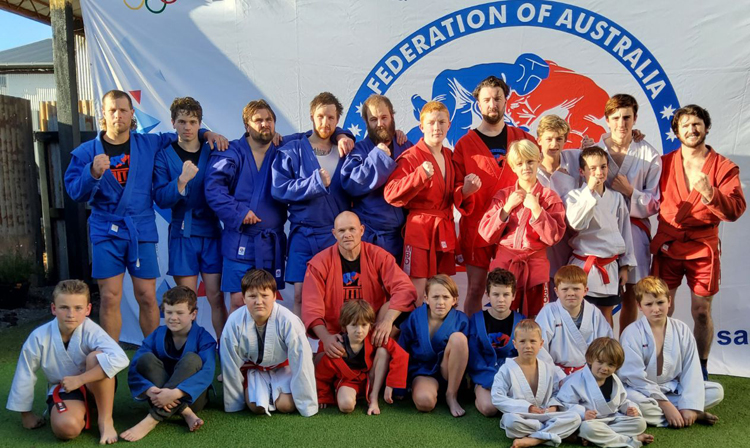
538	88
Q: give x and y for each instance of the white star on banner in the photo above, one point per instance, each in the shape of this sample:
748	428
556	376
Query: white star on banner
670	136
359	109
667	112
354	129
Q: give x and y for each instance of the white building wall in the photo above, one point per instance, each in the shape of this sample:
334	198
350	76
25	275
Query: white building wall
35	87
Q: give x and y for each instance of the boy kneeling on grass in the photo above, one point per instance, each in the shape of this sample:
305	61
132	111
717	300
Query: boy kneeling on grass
174	367
266	358
79	360
364	368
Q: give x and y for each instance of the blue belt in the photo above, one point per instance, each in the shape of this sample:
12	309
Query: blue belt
278	259
113	220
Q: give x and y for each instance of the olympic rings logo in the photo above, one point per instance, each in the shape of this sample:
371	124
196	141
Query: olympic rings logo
145	3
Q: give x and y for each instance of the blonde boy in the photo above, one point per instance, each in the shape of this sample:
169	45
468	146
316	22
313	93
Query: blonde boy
570	324
524	390
662	372
524	220
79	360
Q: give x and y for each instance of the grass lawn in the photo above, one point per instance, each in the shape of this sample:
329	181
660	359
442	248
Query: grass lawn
398	425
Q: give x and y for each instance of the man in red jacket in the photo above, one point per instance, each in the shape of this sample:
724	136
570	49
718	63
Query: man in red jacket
352	269
482	152
699	188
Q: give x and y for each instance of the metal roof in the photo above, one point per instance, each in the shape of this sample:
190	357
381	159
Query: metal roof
39	10
37	54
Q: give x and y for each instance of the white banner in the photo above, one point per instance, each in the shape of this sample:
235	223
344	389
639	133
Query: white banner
557	57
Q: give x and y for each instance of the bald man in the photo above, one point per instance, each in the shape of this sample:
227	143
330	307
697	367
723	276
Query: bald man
352	269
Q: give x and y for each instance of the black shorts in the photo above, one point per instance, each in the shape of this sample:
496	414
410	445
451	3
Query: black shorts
604	301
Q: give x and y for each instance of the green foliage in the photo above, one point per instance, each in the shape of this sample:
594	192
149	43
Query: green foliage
15	268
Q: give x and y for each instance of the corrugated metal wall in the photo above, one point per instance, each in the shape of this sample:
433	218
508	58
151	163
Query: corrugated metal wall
40	87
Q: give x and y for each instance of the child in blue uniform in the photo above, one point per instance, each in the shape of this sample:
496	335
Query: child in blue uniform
174	367
434	335
491	337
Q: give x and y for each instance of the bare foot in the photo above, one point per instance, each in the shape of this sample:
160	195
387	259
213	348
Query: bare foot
107	432
526	441
374	409
645	438
585	442
456	409
140	430
708	419
193	421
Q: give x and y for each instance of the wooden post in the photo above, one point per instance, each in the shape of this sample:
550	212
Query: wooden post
20	208
63	51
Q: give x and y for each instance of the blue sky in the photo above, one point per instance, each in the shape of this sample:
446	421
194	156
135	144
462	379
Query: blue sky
18	30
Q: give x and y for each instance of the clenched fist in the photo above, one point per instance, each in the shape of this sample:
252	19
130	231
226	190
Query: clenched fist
701	183
189	170
514	200
472	184
99	166
325	177
428	169
383	147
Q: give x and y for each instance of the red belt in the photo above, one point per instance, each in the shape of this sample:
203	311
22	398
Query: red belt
443	215
641	225
56	399
252	366
569	370
600	264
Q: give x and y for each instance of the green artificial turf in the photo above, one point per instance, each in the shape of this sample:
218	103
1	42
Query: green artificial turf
398	425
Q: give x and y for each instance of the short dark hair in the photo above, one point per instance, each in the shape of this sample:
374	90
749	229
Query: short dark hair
253	107
501	277
114	95
258	279
694	110
491	81
376	100
188	106
324	99
180	294
591	151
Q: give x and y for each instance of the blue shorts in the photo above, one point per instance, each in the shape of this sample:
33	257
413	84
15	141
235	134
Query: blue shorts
110	258
300	250
189	256
233	271
392	242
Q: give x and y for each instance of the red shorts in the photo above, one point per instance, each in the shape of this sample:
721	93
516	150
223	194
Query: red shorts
359	386
416	262
698	273
479	257
529	301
